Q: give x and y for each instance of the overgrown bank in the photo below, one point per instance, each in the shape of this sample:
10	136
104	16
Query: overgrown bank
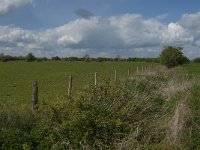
155	110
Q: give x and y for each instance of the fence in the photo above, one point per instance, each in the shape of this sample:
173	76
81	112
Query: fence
139	71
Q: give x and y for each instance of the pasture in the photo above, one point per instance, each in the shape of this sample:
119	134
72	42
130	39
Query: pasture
16	78
193	68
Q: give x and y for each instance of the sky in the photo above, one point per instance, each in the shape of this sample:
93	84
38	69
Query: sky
100	28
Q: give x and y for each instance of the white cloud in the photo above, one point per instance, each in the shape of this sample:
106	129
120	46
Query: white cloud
7	5
136	31
191	21
177	35
127	35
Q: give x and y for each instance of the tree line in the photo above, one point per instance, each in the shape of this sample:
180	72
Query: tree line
170	56
30	57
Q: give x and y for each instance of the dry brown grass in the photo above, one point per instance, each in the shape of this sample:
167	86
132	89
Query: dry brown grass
178	84
177	123
174	86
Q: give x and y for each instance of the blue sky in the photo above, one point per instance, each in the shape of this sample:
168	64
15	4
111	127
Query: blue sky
130	28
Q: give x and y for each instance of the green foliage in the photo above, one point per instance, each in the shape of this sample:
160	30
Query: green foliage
6	58
192	129
97	118
148	60
128	114
15	139
56	58
196	60
87	58
172	56
30	57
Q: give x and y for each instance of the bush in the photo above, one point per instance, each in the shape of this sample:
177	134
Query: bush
15	139
56	58
172	56
30	57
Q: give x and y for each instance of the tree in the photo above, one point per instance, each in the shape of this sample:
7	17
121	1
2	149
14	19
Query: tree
86	57
30	57
172	56
56	58
196	60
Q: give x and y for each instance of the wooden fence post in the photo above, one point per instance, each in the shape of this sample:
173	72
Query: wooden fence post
128	72
35	95
95	78
70	87
115	75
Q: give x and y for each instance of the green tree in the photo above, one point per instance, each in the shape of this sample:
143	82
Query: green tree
196	60
56	58
172	56
86	57
30	57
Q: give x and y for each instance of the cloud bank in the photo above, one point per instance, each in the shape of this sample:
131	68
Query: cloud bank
128	35
7	5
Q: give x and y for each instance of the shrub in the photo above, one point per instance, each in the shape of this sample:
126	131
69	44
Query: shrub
55	58
30	57
172	56
15	139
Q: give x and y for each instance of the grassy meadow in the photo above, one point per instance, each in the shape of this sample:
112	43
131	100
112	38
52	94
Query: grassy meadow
193	68
16	78
157	109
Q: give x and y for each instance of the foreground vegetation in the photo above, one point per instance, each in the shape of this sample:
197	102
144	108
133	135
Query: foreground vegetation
158	109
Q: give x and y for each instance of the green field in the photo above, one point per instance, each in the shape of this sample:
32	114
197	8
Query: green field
16	78
157	109
192	68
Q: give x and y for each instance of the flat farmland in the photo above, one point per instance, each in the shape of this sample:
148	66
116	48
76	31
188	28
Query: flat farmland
16	78
193	68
